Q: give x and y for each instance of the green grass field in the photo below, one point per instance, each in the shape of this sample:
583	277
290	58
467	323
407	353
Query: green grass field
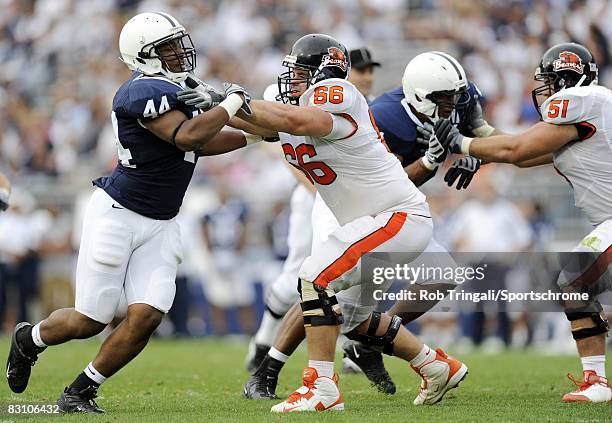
199	381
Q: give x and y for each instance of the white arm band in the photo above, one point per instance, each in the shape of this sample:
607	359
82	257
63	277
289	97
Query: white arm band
232	104
484	131
343	126
465	145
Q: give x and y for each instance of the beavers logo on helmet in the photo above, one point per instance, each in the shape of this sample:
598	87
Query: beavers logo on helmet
335	57
568	61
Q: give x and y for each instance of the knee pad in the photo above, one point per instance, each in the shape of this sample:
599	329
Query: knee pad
370	338
319	306
601	324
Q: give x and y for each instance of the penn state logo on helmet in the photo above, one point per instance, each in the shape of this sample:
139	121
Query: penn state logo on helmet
335	57
568	61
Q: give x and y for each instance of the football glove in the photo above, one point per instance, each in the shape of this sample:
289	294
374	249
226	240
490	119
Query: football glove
449	135
436	148
199	98
237	89
463	169
476	124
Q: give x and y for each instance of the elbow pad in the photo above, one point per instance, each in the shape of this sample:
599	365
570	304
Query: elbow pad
343	126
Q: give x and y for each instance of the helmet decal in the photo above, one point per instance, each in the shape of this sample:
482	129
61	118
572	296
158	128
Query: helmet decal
335	57
568	61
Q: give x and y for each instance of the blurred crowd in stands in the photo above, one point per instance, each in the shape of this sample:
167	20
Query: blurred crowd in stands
60	68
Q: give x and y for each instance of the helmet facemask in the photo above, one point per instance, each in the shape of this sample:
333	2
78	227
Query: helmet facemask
447	101
297	79
176	54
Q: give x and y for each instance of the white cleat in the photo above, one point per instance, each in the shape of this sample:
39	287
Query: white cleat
316	394
439	376
593	388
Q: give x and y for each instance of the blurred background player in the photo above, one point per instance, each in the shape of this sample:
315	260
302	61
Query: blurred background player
131	240
575	137
5	192
362	71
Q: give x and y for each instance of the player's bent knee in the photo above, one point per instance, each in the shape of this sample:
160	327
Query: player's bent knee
319	306
598	326
370	338
83	327
143	319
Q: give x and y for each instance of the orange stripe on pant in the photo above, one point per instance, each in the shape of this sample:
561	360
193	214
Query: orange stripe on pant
351	256
595	270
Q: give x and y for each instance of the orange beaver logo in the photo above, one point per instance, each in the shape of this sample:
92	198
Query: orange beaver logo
335	57
568	61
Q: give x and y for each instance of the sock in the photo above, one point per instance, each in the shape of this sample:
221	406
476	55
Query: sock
270	366
597	363
268	328
36	336
426	355
83	381
88	377
323	368
277	355
26	341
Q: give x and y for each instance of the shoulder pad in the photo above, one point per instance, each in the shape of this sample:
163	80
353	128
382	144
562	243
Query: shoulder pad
333	95
571	105
149	97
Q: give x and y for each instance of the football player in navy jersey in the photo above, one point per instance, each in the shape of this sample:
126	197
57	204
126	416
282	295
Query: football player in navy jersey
434	86
131	240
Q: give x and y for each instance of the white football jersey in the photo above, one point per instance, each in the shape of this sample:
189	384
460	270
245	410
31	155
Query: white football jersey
586	163
356	175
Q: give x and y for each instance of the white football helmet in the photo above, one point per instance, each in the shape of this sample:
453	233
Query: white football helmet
140	41
431	79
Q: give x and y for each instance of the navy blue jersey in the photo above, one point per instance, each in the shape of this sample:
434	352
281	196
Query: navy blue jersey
152	175
398	127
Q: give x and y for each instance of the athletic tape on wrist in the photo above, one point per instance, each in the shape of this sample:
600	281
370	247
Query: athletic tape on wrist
251	139
232	104
465	145
429	165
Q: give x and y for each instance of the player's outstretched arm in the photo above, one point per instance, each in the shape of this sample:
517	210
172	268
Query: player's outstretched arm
540	140
290	119
238	123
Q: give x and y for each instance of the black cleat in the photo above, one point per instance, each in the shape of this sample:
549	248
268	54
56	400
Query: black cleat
255	361
371	363
262	384
19	363
73	401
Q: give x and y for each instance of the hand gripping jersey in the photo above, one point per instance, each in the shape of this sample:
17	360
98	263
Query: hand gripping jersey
398	124
587	162
152	175
356	175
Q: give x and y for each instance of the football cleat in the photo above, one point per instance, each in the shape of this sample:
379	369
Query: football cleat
593	388
19	363
439	376
371	363
262	384
255	358
73	401
316	394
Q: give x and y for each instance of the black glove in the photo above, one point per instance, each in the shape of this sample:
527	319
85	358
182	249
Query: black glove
448	135
200	98
436	149
424	134
463	168
237	89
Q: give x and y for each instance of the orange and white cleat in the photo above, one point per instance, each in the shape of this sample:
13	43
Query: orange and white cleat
593	388
439	376
317	394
